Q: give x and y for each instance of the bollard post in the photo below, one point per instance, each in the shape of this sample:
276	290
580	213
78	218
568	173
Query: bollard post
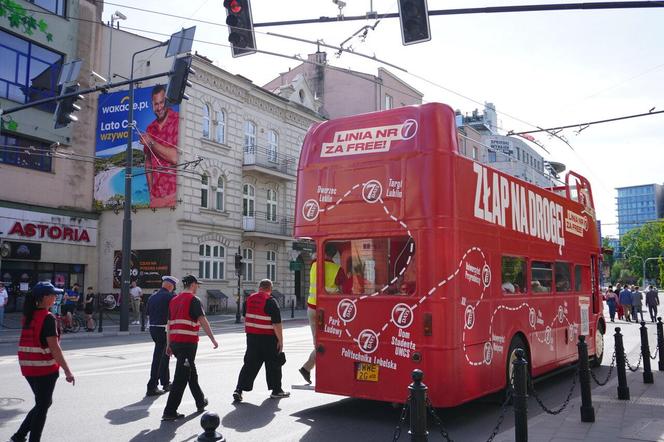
520	396
210	421
100	309
418	408
645	352
660	343
587	410
292	308
623	389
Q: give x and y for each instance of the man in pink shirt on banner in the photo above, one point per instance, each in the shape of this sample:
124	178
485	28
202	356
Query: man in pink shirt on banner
160	141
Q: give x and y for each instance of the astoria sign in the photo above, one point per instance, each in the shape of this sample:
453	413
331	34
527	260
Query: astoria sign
24	225
40	231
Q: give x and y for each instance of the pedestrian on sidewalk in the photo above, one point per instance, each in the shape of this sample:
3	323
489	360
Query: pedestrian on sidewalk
611	302
637	303
626	302
334	278
88	309
185	318
652	301
4	297
70	302
157	311
136	295
40	357
265	342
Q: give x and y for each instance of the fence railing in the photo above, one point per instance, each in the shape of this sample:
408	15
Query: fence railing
270	159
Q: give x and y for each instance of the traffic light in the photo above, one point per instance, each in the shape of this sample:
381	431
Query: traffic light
414	18
240	27
238	263
64	111
177	83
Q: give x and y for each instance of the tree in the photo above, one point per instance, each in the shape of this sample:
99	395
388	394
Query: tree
643	242
19	18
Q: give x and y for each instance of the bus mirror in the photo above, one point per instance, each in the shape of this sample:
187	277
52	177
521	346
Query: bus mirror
428	324
320	318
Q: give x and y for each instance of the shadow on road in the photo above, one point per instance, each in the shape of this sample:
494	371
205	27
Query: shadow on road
6	413
130	413
166	431
247	417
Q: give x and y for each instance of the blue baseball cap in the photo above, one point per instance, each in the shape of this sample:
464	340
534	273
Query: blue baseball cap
45	288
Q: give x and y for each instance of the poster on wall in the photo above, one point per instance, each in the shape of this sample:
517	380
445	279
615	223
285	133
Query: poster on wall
154	144
147	267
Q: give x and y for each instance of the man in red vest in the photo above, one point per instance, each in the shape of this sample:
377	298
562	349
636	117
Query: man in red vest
184	320
265	341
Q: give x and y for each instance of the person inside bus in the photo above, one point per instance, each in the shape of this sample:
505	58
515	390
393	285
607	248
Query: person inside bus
508	288
538	287
335	279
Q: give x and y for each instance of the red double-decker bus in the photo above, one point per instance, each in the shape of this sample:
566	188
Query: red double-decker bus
450	264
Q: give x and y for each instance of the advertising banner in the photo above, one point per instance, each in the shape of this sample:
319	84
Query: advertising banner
147	267
154	144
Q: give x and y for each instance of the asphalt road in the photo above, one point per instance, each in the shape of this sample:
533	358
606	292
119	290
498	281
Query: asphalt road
108	403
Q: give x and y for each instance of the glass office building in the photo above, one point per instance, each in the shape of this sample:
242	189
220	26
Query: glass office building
637	205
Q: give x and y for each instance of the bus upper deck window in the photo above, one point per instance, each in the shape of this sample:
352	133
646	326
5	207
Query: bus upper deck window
367	266
541	277
513	272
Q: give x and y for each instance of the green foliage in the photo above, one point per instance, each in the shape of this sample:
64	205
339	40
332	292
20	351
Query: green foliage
18	17
641	243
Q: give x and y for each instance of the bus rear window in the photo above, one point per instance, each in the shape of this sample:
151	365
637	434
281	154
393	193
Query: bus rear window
541	277
513	275
371	266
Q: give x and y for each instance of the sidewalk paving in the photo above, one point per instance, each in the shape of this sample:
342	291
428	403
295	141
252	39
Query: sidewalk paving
639	419
219	322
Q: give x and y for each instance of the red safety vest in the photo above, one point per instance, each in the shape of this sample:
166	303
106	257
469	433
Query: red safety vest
181	327
256	321
34	359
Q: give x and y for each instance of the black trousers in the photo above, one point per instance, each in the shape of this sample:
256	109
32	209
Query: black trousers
159	370
42	387
652	309
185	373
260	349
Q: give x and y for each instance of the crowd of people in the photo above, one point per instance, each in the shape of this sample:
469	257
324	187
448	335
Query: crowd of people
626	301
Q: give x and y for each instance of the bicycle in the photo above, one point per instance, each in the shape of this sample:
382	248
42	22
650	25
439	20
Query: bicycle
61	320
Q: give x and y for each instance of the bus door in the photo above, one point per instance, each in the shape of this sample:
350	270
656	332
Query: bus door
544	335
566	310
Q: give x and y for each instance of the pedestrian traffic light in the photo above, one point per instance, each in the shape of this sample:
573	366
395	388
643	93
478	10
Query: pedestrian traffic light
240	27
178	82
238	261
64	111
414	18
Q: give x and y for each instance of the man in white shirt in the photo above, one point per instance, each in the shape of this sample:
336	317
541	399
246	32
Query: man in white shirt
136	293
3	302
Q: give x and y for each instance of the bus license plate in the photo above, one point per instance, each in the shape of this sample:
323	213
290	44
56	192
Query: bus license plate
367	372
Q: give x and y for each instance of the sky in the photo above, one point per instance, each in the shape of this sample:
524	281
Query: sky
542	69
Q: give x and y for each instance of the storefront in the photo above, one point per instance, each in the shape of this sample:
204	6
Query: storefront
53	245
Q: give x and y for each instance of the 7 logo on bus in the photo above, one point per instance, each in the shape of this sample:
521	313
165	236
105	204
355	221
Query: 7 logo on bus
402	315
372	191
310	210
368	341
346	310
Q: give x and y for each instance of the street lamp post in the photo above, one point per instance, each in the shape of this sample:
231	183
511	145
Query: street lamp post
117	15
126	222
238	270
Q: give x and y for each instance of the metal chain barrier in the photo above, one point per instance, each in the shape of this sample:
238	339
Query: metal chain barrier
638	365
567	399
653	357
608	375
501	418
402	419
438	421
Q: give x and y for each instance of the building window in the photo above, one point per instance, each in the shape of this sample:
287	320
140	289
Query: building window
389	102
204	190
220	194
28	72
272	146
247	264
206	121
220	134
475	153
211	261
272	265
271	205
492	156
23	152
55	6
248	200
249	137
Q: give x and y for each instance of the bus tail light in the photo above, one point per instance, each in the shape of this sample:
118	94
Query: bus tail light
428	324
320	318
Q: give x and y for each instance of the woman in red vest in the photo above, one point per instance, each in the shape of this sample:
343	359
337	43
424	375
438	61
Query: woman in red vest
40	357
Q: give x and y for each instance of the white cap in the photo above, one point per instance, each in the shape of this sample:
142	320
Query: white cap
172	279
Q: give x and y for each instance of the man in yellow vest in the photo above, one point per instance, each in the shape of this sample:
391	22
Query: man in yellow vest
335	278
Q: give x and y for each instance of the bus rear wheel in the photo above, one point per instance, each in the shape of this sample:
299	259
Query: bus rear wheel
596	360
517	342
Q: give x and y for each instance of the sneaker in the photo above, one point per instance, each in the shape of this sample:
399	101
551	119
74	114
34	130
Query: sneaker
172	417
201	407
155	392
306	374
17	438
279	394
237	396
